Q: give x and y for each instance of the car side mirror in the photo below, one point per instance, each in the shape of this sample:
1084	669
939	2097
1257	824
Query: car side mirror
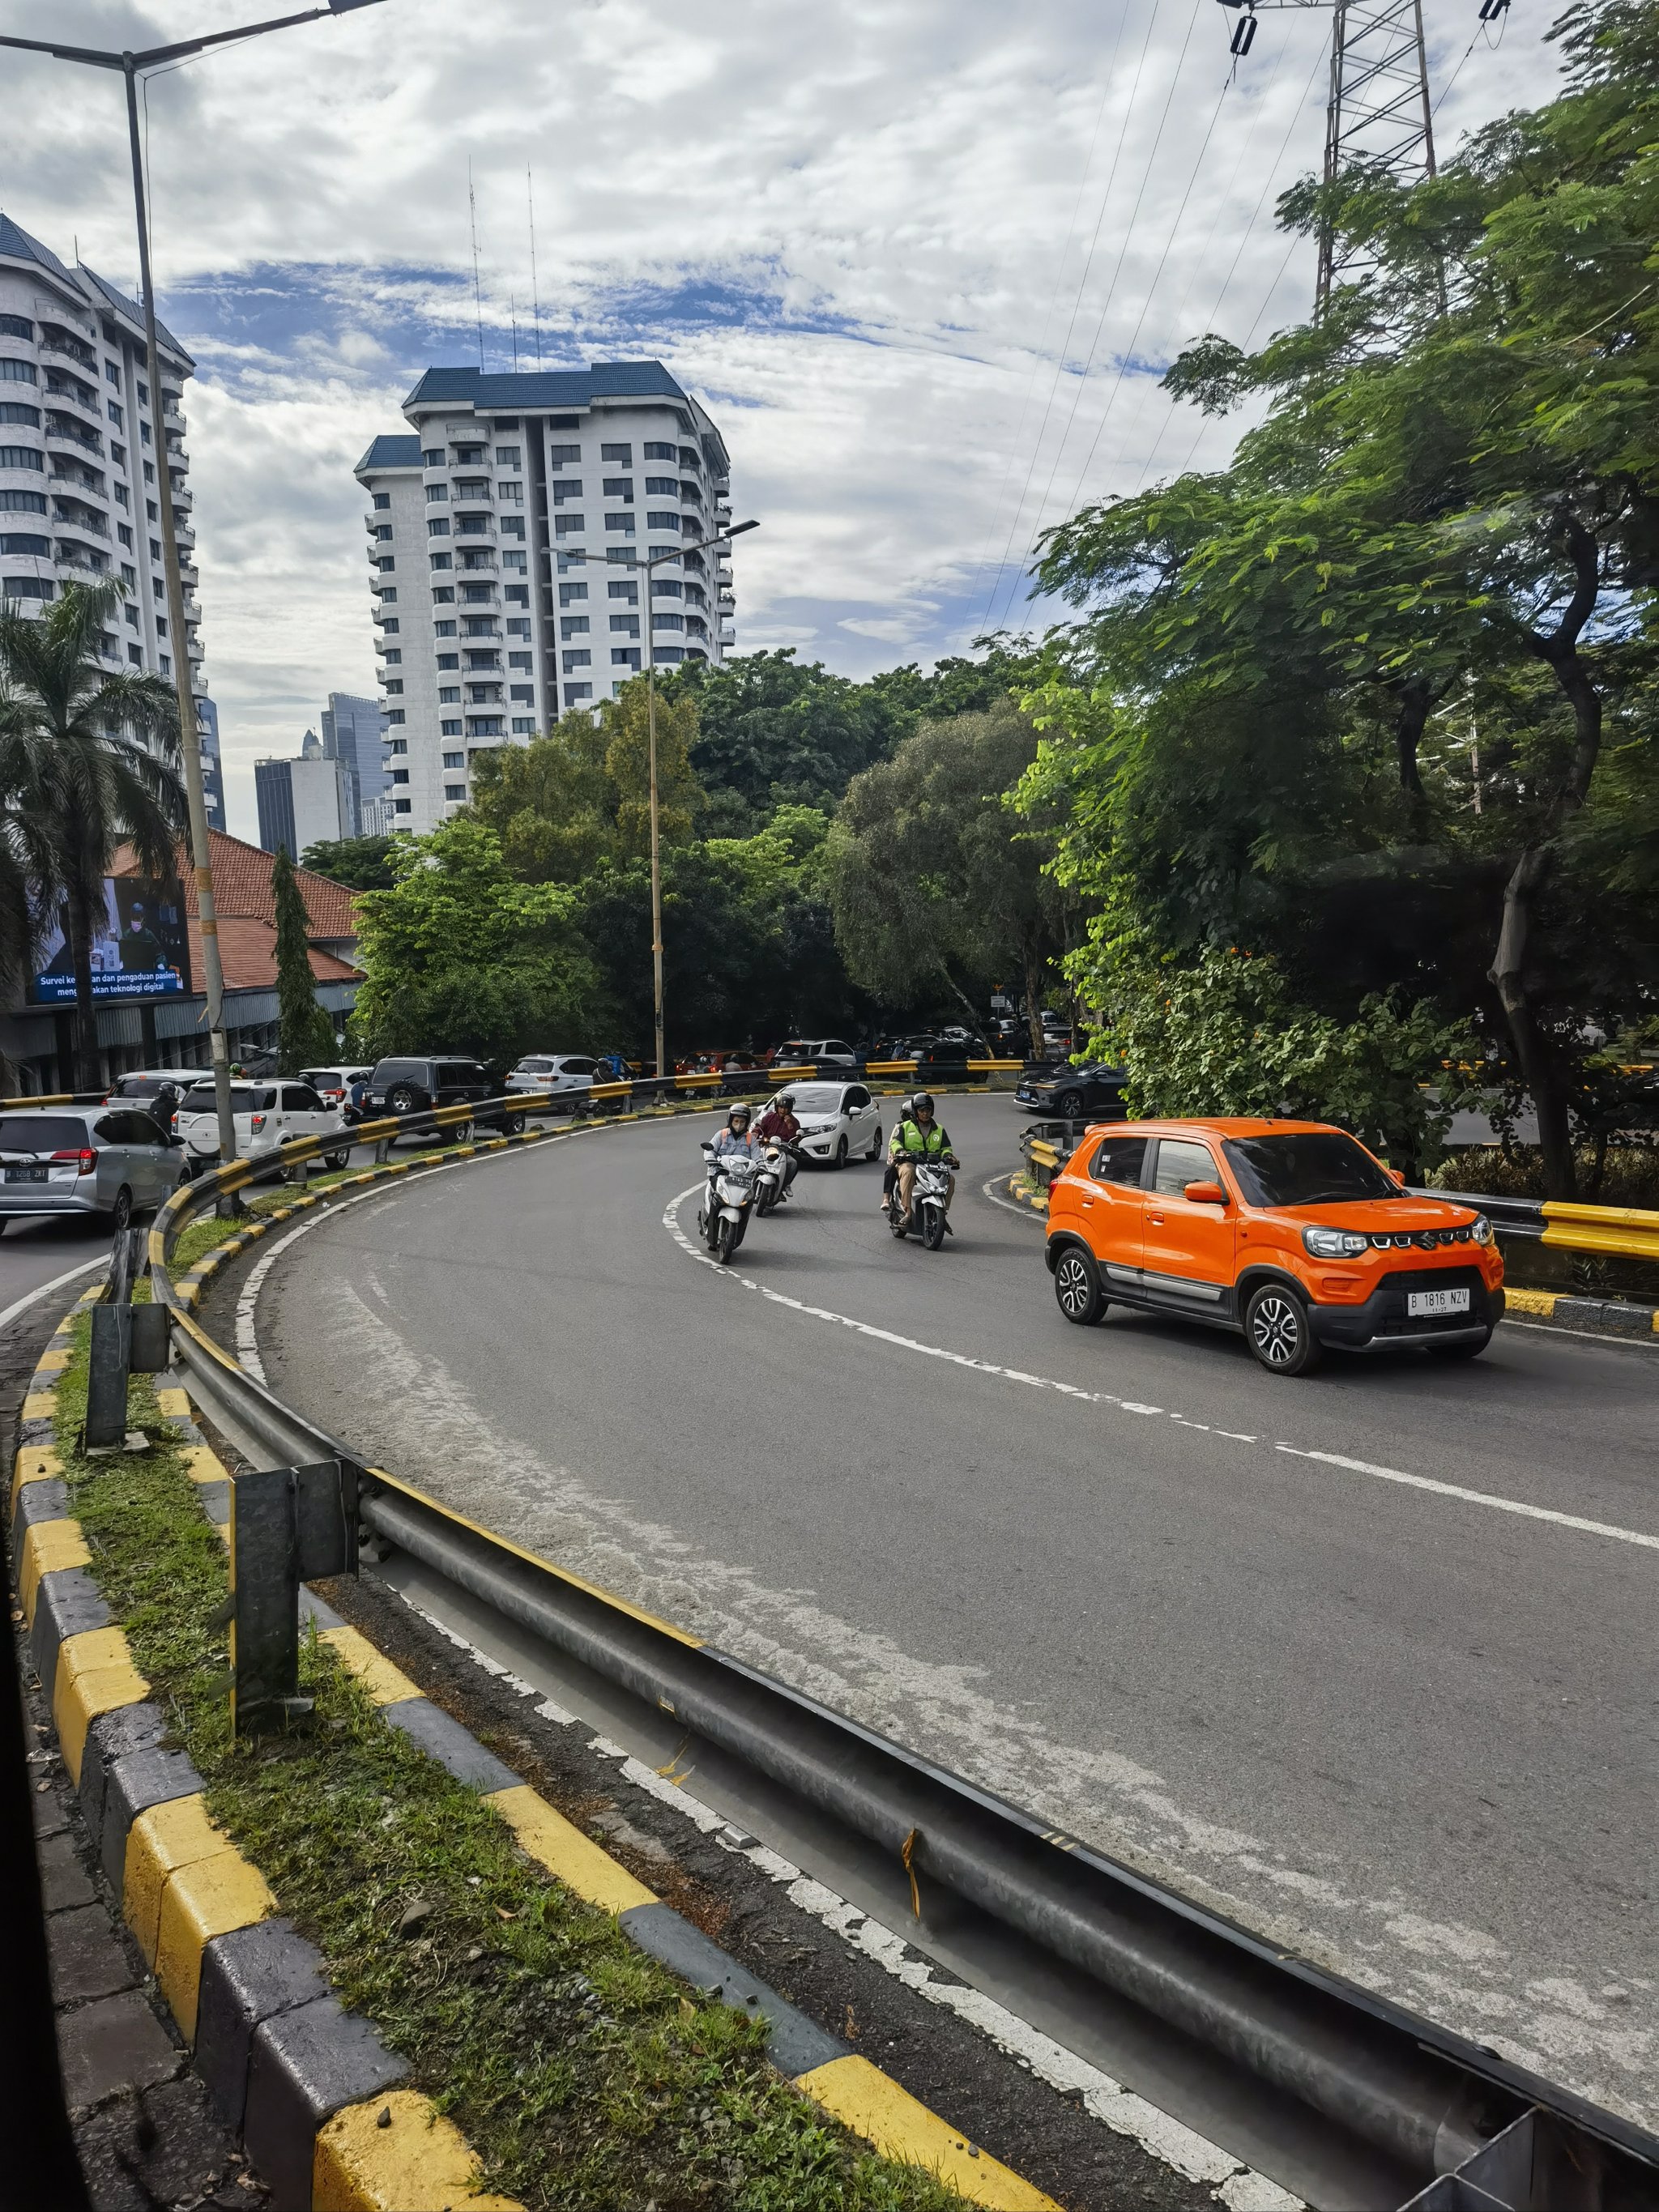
1205	1194
1395	1178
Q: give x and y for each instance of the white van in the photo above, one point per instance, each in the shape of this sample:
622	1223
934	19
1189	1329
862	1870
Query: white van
266	1113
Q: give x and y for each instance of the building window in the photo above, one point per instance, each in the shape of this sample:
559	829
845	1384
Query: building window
394	715
16	326
382	502
624	625
517	595
437	525
623	454
655	450
577	660
629	591
434	492
391	628
402	805
135	655
166	666
516	564
666	655
394	684
454	791
662	522
518	626
622	522
558	455
524	726
23	503
510	491
662	487
443	595
125	536
449	695
667	622
449	728
443	629
512	525
397	744
388	597
385	564
568	594
449	660
508	457
432	457
520	660
399	774
485	726
114	413
618	488
454	760
435	560
569	525
25	456
624	656
383	533
573	626
522	695
666	590
575	693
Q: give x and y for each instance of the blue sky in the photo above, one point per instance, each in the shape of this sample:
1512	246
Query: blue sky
924	264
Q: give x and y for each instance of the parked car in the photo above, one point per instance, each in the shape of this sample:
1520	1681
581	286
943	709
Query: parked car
564	1074
1290	1232
837	1120
156	1091
111	1160
266	1116
949	1056
821	1052
333	1084
1071	1092
416	1085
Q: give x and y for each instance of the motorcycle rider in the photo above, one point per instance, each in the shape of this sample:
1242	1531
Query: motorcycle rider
889	1175
735	1137
778	1126
919	1136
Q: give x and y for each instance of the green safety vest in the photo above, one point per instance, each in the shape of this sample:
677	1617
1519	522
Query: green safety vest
912	1138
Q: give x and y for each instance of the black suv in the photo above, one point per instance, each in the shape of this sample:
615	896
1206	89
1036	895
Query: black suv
415	1086
1069	1093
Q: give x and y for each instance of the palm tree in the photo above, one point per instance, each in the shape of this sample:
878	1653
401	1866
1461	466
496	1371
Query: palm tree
77	778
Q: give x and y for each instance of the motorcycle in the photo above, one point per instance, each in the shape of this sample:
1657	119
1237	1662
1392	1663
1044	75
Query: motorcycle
728	1202
772	1178
928	1193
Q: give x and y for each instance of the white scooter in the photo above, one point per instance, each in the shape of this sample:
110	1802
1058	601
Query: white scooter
772	1178
728	1202
929	1192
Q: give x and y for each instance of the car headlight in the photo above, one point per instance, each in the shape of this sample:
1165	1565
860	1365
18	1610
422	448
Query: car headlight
1482	1230
1333	1244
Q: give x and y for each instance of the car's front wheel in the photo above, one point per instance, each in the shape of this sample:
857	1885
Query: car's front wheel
840	1159
1070	1106
1077	1288
1279	1331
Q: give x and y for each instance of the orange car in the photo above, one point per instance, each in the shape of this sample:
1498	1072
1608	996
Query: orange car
1289	1231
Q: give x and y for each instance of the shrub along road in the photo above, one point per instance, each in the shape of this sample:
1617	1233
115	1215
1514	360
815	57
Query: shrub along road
1120	1575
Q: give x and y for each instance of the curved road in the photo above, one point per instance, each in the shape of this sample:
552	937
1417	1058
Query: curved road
1120	1575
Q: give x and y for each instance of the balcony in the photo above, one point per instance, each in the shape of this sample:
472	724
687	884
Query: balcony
183	500
726	603
67	393
71	472
484	664
54	339
477	560
728	637
82	519
482	626
474	525
70	555
60	430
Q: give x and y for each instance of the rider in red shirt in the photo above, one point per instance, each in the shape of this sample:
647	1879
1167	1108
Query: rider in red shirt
778	1126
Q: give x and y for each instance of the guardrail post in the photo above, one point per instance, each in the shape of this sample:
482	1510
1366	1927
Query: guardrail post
382	1150
114	1358
287	1525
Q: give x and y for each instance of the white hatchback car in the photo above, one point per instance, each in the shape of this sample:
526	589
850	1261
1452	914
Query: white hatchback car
266	1114
836	1121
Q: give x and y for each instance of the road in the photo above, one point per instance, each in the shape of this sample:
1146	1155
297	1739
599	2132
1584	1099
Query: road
1174	1604
37	1249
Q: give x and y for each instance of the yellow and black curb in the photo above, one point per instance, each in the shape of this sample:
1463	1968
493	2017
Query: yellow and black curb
1583	1317
310	2089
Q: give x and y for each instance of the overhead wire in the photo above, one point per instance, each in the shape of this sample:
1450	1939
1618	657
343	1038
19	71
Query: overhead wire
1048	320
1076	306
1111	289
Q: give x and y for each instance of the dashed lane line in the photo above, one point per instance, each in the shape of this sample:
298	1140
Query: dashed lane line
1489	1500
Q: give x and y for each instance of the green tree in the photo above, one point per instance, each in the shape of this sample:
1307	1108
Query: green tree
1366	673
458	956
90	761
305	1034
362	864
933	878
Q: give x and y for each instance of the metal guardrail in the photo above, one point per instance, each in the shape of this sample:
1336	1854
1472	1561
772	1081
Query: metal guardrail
1412	2091
1626	1233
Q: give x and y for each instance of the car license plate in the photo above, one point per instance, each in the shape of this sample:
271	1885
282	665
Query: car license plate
1437	1302
26	1175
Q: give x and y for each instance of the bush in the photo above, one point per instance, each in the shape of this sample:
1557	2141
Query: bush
1630	1174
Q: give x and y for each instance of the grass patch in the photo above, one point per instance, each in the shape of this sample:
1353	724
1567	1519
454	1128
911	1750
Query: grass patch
1023	1184
586	2077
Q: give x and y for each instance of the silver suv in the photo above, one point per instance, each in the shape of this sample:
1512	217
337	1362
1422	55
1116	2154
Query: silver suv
111	1160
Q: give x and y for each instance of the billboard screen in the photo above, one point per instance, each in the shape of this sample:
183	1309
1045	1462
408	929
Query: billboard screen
140	946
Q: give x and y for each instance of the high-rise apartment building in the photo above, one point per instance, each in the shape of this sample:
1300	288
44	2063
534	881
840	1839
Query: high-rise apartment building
80	438
213	765
354	732
302	802
501	536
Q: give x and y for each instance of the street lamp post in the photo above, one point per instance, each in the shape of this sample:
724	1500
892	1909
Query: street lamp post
130	65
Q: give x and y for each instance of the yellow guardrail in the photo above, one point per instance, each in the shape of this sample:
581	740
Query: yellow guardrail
1041	1149
1626	1233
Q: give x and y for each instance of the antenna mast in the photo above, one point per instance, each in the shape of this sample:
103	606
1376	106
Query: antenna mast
478	290
535	290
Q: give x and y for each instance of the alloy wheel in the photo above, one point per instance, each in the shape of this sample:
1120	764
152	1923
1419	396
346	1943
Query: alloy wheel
1276	1326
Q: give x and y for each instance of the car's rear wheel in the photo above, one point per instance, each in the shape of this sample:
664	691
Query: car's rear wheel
1279	1331
337	1159
1470	1347
120	1214
513	1125
1077	1288
874	1152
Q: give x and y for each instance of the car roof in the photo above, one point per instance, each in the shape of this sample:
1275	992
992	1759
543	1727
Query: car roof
87	1112
1226	1125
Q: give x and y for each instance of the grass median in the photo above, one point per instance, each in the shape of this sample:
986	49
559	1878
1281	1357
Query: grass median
586	2077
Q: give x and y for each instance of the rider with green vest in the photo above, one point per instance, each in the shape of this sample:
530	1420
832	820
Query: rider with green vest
916	1135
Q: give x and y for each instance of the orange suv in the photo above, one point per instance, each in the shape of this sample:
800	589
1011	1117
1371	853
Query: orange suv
1289	1231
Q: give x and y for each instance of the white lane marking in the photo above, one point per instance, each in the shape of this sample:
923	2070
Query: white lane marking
1479	1497
1489	1499
1010	1205
33	1298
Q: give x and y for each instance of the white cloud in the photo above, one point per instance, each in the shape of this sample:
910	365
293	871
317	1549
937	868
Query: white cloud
863	234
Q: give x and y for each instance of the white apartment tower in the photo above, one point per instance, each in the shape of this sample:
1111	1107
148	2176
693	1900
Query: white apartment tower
502	534
79	448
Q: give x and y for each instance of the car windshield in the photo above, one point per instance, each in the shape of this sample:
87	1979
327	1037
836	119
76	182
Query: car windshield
1319	1167
244	1099
817	1097
41	1133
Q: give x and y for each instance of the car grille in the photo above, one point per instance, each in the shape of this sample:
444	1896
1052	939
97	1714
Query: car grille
1394	1320
1425	1240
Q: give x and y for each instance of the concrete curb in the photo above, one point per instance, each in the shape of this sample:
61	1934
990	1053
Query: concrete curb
1583	1317
309	2089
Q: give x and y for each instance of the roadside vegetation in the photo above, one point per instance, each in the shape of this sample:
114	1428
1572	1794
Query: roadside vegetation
583	2073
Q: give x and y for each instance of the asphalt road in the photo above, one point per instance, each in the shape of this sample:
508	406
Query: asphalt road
1120	1575
37	1249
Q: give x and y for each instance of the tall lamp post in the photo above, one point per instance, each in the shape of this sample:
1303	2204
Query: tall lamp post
130	65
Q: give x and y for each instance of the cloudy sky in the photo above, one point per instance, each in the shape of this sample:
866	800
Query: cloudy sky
923	262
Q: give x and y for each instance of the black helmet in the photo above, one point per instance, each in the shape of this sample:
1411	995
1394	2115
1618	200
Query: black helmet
786	1099
922	1102
739	1110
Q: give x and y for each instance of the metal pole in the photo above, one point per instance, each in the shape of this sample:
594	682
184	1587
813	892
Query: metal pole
190	736
656	849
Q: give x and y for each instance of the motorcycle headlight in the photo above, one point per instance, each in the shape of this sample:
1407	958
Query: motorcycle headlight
1482	1230
1333	1244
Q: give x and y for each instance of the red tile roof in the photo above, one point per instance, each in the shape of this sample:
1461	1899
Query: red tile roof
247	909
